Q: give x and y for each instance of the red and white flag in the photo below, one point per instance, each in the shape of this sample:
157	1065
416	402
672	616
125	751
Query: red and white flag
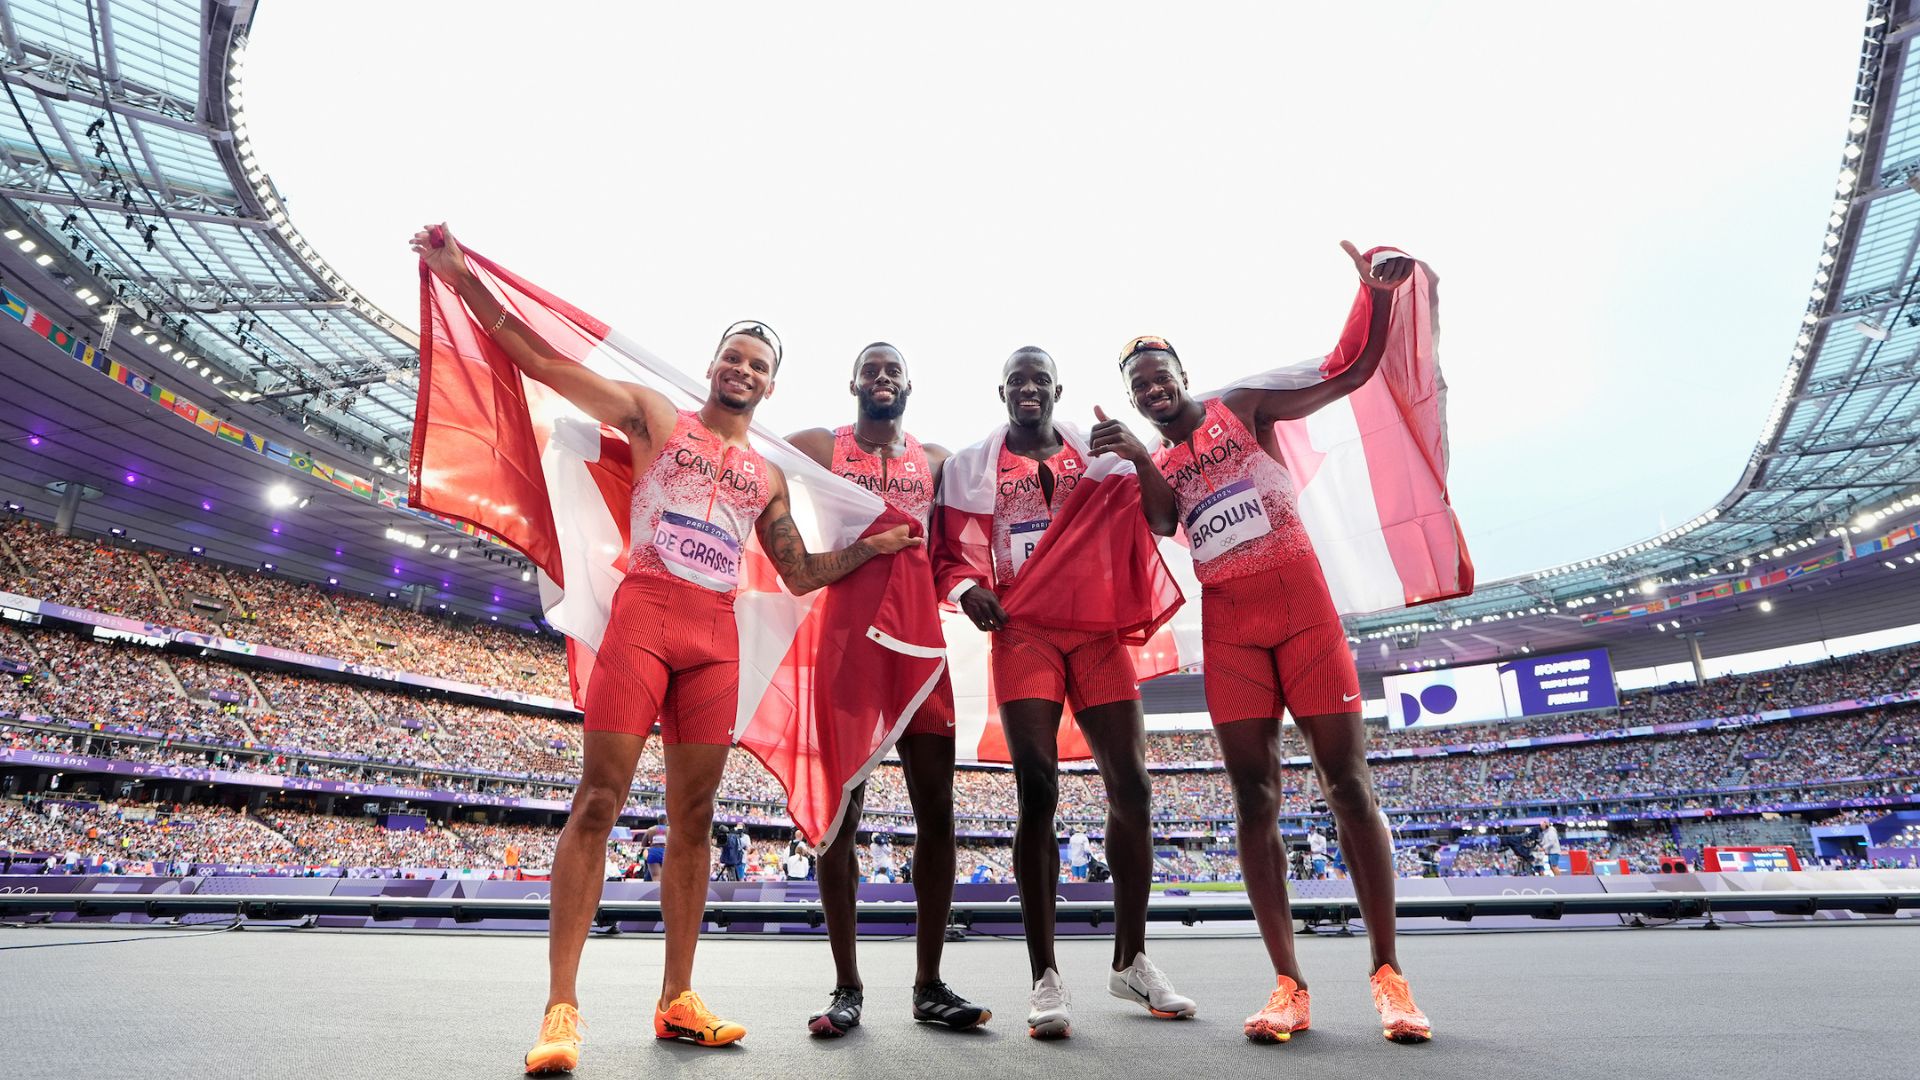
1097	567
828	681
1370	469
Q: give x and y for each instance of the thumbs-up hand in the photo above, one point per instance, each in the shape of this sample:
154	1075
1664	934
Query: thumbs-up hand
1386	275
1113	437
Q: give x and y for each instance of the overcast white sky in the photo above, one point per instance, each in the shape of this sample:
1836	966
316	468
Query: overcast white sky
1624	202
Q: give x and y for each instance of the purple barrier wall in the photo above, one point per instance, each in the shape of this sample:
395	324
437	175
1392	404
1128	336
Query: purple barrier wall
1806	880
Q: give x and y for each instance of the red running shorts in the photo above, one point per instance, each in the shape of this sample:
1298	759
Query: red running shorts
1081	668
1273	641
671	652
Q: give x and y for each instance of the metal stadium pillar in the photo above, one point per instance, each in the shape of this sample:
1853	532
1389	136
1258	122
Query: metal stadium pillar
1699	665
69	502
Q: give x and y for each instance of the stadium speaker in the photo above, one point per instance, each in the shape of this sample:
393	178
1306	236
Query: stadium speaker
1673	864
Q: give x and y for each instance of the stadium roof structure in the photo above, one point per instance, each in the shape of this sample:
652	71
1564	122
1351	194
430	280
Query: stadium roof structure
145	241
211	355
1840	449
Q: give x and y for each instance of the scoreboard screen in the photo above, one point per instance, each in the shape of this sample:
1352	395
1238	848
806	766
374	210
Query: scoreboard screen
1478	693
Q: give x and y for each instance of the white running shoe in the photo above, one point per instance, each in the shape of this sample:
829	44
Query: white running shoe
1048	1005
1147	985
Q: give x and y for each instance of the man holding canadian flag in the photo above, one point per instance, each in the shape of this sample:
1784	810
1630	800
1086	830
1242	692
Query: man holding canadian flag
640	494
1042	545
1341	461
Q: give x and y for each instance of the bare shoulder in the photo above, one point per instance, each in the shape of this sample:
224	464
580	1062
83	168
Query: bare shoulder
1244	403
816	443
937	455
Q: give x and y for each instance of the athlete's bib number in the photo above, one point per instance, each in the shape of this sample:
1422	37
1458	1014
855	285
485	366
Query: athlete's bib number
1226	519
698	551
1024	536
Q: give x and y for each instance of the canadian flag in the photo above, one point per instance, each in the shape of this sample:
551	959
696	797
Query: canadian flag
827	681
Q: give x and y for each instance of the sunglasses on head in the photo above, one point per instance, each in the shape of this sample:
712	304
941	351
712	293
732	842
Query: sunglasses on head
755	328
1146	343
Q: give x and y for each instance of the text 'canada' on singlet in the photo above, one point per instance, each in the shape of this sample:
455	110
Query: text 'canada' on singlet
1021	510
1236	503
695	507
904	483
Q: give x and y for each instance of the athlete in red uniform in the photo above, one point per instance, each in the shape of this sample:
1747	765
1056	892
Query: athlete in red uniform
671	649
877	453
1035	671
1272	639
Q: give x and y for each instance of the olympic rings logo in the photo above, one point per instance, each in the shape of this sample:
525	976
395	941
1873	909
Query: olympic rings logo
1530	892
19	890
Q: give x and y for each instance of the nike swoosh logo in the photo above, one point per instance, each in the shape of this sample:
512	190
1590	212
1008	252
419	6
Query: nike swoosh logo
1008	468
1348	697
853	461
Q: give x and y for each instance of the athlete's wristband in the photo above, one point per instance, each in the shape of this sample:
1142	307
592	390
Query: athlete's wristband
960	590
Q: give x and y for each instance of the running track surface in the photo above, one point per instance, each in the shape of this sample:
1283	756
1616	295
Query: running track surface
1742	1002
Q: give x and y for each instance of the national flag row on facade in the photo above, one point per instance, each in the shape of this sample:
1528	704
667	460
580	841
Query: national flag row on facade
300	461
1766	579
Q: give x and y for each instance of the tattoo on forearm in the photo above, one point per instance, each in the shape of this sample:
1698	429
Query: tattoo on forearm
802	570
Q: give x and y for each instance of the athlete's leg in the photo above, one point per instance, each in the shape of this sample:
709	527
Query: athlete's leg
608	759
1033	729
1116	733
838	870
693	774
1251	750
927	761
1338	745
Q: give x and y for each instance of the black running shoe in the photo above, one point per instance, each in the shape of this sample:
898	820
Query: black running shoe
841	1015
936	1003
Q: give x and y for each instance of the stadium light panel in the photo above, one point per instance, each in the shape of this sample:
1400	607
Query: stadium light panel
1851	152
28	246
13	234
280	495
44	260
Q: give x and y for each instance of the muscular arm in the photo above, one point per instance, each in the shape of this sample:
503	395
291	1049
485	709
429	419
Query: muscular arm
937	456
629	406
625	405
1156	500
1259	408
803	571
1156	496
